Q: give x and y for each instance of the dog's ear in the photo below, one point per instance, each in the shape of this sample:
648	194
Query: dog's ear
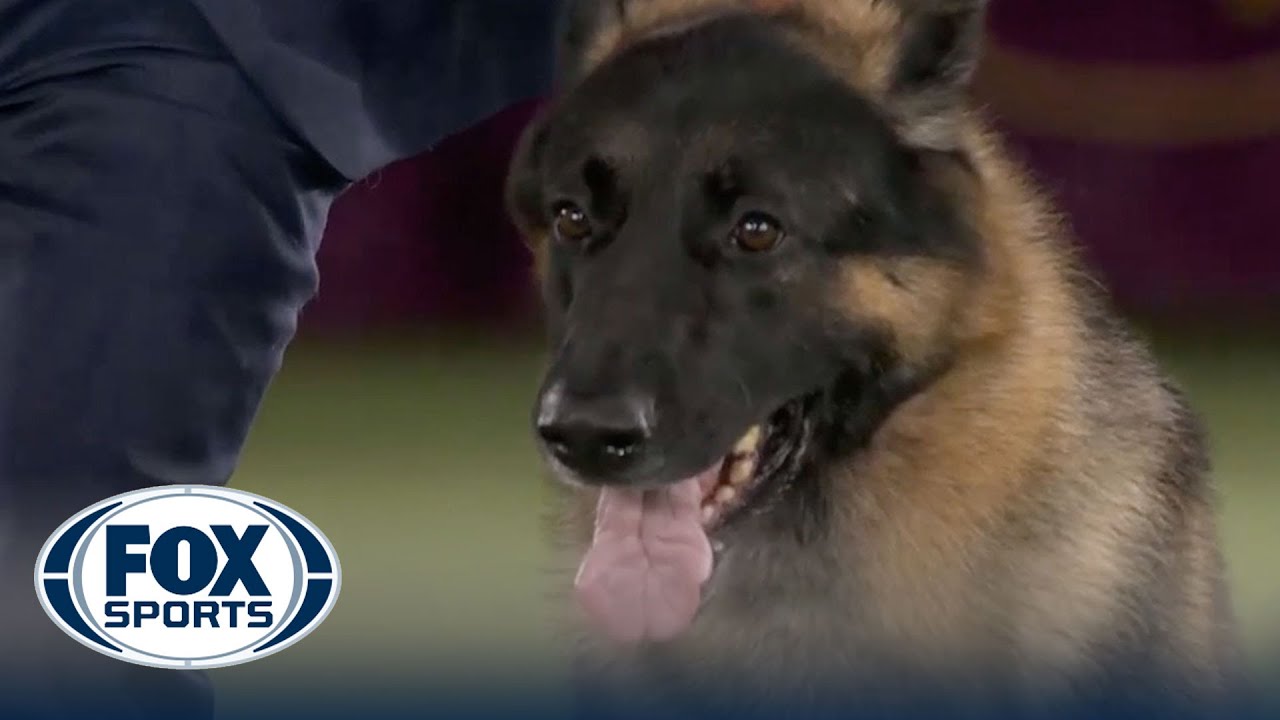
581	21
940	46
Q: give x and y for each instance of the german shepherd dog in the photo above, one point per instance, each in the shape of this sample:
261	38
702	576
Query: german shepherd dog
837	410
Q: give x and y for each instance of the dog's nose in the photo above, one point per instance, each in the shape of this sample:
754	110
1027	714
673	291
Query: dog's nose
598	437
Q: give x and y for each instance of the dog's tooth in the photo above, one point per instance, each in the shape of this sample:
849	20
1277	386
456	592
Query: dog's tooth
725	494
740	473
747	444
708	512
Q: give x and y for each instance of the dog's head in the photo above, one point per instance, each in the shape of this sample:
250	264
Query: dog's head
750	232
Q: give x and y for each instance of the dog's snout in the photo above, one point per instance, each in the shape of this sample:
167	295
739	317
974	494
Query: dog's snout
598	437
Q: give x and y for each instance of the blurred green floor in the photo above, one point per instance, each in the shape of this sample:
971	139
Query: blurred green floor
414	457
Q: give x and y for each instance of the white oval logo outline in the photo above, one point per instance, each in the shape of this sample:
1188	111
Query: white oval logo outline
307	545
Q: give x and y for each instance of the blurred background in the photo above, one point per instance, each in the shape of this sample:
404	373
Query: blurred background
400	421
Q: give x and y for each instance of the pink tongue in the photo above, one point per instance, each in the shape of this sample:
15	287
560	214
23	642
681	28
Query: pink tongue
642	578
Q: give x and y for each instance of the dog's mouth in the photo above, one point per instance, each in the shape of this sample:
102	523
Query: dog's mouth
761	461
651	552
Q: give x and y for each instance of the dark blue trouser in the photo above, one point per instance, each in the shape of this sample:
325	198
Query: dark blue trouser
165	171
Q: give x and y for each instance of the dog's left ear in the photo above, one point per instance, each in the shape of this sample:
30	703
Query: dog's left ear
929	82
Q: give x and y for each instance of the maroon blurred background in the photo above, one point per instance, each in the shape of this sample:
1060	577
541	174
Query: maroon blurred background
1155	125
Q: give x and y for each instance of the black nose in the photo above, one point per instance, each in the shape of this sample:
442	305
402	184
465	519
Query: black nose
598	437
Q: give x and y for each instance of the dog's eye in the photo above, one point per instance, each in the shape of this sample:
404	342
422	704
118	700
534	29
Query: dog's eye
571	223
757	232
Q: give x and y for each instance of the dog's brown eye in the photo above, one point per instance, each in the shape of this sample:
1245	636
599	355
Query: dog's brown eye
757	232
571	223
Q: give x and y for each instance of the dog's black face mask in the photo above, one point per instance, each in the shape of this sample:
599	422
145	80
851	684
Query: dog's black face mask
702	198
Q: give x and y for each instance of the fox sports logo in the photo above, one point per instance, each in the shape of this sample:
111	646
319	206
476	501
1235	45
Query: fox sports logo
188	577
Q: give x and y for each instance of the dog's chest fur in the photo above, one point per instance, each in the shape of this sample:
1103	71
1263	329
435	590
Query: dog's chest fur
788	619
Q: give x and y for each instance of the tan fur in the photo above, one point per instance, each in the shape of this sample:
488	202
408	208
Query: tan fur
1008	516
971	443
853	36
916	301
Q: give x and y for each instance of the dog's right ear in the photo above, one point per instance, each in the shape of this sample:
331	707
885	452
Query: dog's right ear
940	50
582	21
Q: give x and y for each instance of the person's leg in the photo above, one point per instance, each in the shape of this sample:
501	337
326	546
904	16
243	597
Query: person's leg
159	210
157	234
